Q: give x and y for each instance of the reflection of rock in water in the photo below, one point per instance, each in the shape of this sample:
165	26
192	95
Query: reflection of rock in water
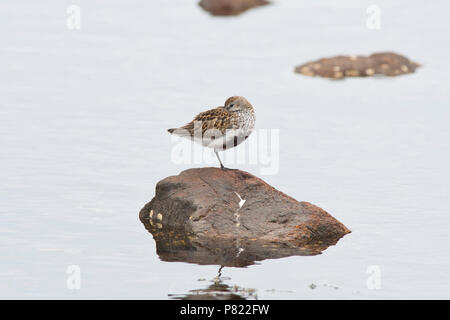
218	291
175	245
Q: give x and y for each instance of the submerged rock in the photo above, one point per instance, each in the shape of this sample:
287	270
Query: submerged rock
215	207
383	63
230	7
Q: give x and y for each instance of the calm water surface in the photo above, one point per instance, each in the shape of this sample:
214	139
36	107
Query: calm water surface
83	115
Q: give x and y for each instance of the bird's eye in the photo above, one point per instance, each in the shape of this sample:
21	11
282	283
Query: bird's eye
231	105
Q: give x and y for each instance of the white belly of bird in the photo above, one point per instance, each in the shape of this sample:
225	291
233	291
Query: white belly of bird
222	141
230	139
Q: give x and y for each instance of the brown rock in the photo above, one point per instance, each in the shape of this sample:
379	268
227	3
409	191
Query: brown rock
384	63
204	204
230	7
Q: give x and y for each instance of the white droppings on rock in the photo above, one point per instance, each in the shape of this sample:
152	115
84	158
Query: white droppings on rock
241	201
237	215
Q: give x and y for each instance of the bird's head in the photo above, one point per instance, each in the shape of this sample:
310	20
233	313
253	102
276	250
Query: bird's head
237	103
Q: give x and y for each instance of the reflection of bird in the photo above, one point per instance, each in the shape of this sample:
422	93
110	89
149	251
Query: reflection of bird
221	128
218	290
219	274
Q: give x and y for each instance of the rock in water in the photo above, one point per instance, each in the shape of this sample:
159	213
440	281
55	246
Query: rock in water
383	63
212	203
230	7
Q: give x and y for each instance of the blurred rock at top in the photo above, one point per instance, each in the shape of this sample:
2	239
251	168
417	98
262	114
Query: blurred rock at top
383	63
230	7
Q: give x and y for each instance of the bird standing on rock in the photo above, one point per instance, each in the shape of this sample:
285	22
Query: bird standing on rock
221	128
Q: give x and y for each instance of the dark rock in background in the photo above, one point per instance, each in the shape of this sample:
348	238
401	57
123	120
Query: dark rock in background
230	7
206	204
383	63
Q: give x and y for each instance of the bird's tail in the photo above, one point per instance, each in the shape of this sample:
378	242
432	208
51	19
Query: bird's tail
179	132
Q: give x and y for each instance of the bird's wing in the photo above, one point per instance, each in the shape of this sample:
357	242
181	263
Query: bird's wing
218	118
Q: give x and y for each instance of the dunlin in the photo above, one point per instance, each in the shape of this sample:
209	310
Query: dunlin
221	128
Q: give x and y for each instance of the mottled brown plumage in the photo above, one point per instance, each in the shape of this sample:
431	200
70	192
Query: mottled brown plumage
218	118
221	128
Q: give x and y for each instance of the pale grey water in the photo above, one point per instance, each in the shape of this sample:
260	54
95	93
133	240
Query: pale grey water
83	115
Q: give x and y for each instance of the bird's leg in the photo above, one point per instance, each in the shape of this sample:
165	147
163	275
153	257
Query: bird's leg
221	164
